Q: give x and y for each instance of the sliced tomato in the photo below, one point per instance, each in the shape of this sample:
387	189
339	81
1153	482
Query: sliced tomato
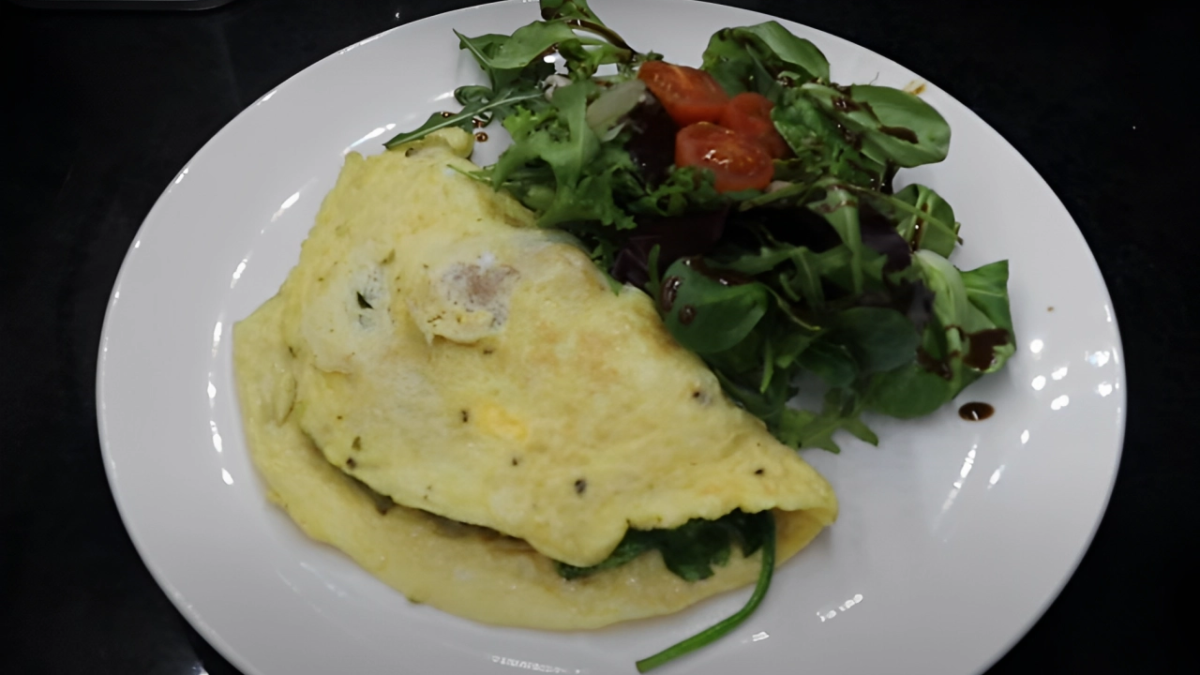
750	113
689	95
738	161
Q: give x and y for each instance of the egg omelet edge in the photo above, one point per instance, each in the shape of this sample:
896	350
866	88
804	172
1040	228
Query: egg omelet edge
479	577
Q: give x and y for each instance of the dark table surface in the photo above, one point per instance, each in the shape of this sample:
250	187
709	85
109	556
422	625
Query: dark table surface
102	109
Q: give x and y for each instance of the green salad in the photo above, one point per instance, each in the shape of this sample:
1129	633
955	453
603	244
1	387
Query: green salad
753	199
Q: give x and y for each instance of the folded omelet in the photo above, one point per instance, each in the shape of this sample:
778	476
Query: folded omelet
432	346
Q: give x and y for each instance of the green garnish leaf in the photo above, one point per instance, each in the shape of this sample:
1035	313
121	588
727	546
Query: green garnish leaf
878	338
635	543
761	58
969	334
465	118
822	146
765	526
705	313
689	551
892	126
559	167
806	429
929	224
840	209
831	362
987	290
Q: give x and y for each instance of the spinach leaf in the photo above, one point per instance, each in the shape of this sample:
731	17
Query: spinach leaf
704	311
969	334
930	223
746	389
879	338
891	125
760	58
565	30
830	361
635	543
840	208
951	304
689	551
987	289
764	524
694	548
758	372
910	391
806	429
785	52
526	44
764	259
485	48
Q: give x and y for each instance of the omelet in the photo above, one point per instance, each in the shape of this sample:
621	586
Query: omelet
432	346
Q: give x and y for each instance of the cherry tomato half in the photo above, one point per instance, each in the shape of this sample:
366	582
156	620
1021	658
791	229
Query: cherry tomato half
750	113
737	160
689	95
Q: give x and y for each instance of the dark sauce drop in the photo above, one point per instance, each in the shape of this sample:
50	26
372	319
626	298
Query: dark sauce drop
447	113
976	411
852	139
670	289
687	314
478	123
481	136
903	133
845	104
982	346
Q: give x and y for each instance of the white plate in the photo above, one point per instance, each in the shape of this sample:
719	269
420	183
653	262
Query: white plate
954	536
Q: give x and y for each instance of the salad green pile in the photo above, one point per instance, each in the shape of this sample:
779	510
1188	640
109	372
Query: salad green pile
827	272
